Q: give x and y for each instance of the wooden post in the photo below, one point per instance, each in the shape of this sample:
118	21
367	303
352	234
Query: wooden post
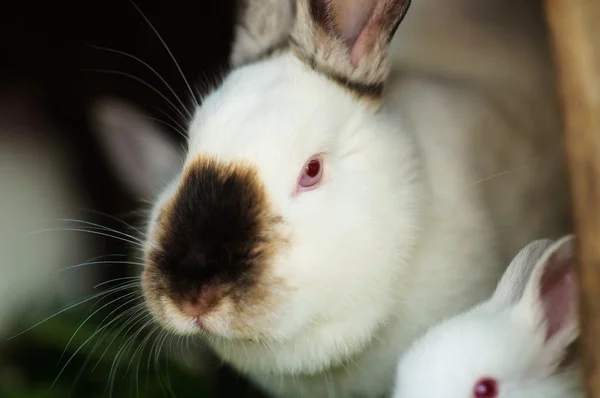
575	31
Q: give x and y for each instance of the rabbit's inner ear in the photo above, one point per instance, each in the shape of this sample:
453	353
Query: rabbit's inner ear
142	156
346	18
558	291
551	299
347	40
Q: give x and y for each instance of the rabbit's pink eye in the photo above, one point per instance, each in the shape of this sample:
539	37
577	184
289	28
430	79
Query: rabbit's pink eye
313	168
486	388
311	173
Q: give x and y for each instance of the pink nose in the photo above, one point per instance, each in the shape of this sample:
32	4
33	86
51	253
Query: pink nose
201	305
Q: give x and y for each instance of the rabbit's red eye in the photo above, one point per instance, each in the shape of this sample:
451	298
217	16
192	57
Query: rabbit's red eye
311	173
485	388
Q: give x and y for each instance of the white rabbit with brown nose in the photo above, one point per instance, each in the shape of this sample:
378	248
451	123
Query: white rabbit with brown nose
327	211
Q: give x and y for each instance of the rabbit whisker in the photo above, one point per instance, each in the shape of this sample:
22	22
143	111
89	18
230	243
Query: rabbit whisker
174	127
149	322
143	345
147	66
100	262
90	231
93	297
141	81
180	128
120	279
94	313
168	50
100	329
102	227
125	346
109	216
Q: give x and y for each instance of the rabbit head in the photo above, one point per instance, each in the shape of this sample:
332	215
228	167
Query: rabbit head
282	238
515	345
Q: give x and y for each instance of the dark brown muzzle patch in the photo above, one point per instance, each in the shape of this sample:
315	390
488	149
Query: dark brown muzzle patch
217	231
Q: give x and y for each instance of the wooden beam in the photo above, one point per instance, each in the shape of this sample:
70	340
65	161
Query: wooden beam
575	32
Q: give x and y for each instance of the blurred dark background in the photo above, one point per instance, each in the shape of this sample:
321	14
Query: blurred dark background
46	47
51	70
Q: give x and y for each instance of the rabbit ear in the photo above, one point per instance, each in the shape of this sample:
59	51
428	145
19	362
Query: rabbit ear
551	296
348	39
262	26
512	286
142	155
540	286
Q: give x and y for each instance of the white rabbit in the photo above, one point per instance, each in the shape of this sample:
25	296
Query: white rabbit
328	211
518	344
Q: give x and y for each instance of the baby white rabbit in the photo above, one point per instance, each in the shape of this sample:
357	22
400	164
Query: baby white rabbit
518	344
327	211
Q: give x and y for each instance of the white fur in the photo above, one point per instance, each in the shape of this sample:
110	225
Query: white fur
360	148
406	230
500	338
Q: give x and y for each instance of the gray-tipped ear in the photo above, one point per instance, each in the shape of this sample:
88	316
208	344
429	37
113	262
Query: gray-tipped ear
348	39
512	285
542	288
141	154
261	27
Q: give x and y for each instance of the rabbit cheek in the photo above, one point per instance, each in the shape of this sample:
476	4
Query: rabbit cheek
153	289
215	241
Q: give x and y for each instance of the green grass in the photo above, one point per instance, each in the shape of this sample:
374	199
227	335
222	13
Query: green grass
100	365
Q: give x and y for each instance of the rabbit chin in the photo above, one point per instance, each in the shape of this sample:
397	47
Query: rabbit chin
288	333
291	347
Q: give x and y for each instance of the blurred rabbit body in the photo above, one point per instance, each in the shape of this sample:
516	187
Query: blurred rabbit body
36	191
